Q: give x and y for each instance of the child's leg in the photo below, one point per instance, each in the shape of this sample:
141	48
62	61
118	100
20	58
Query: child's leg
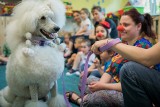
77	60
70	60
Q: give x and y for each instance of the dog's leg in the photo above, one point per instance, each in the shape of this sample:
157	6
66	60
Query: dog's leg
56	100
34	98
6	97
19	102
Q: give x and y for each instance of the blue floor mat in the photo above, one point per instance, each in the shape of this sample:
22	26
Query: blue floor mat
71	82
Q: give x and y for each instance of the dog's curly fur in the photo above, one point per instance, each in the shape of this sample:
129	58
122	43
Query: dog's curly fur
32	70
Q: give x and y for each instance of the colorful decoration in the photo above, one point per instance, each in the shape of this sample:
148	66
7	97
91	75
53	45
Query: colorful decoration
7	9
69	9
121	11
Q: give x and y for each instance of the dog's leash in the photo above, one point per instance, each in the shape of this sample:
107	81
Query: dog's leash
84	78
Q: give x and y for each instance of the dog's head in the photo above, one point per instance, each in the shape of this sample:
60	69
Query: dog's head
40	17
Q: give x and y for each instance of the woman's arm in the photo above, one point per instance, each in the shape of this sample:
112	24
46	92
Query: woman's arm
147	57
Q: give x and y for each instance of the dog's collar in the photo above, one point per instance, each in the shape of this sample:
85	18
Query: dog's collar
36	40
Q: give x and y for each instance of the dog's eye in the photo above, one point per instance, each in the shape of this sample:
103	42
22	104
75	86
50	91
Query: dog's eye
43	18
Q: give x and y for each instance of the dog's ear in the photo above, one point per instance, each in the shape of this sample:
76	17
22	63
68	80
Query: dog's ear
29	21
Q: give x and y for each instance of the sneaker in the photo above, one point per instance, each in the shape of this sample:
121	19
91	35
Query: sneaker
71	72
68	66
77	73
68	73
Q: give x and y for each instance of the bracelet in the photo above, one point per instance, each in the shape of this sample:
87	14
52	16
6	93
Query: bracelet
109	44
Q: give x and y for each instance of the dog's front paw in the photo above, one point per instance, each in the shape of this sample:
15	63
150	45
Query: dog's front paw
28	51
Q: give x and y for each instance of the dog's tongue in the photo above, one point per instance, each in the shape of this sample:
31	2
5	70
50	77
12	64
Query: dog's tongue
52	35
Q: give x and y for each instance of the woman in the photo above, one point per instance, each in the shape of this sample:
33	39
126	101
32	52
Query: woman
108	89
140	85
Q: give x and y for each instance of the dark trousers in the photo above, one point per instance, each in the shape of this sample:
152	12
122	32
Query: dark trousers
140	85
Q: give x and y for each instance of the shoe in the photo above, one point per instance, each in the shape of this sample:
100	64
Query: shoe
68	66
77	73
73	97
71	72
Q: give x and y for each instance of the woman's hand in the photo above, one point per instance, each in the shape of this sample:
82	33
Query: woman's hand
96	86
95	47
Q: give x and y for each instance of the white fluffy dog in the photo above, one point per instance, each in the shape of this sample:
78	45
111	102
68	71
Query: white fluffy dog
36	62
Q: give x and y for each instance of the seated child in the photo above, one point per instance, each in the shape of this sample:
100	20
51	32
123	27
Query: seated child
69	44
76	48
100	65
5	55
81	57
86	24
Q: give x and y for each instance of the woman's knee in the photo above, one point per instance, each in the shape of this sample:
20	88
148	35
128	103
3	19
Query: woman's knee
129	69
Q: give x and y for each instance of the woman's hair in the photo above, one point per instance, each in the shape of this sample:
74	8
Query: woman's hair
86	11
144	19
75	11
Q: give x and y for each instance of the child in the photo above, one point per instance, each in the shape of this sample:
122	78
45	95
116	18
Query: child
81	57
69	44
100	65
102	30
76	48
86	24
5	55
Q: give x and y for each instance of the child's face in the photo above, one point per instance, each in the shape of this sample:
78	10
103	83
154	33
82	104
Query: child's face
105	55
101	33
66	38
83	15
84	48
77	44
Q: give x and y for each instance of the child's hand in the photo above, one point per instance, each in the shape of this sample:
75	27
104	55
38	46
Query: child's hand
96	63
81	75
95	86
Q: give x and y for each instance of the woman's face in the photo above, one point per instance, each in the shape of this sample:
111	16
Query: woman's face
76	17
100	30
131	29
96	15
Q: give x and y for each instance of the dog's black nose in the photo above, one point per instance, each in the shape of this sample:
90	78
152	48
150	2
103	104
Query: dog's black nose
56	28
